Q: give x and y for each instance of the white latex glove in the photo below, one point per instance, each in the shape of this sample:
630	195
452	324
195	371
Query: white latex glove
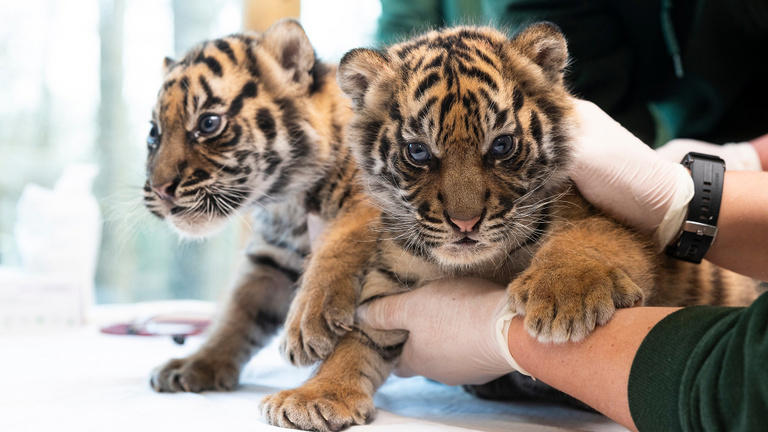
737	156
458	330
648	190
621	175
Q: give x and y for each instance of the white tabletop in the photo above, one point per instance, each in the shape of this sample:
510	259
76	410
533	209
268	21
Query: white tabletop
81	380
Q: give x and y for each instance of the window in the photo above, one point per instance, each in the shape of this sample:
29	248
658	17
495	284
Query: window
79	80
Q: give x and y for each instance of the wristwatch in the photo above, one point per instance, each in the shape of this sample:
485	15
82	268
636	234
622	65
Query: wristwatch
700	227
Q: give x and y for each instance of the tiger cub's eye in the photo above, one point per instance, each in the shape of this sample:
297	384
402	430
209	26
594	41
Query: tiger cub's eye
208	124
153	137
419	153
502	145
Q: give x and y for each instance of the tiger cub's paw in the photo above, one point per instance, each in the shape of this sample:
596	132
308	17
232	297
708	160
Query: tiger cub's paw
565	303
195	374
314	327
318	407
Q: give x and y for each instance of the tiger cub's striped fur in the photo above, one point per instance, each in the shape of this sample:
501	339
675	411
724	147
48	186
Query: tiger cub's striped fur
463	139
248	123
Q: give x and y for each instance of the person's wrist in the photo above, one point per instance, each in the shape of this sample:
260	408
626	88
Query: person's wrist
761	148
520	344
500	329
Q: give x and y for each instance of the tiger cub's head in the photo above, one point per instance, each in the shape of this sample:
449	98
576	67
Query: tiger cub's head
462	135
227	129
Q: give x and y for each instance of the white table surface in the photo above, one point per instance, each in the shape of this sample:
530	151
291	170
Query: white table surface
81	380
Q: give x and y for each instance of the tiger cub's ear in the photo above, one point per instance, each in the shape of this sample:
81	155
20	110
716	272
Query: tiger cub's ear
358	68
287	42
545	45
168	64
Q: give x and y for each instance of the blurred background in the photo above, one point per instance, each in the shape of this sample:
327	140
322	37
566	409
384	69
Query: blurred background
78	80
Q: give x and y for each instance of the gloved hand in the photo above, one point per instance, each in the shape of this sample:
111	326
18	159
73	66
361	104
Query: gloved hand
648	190
458	330
622	176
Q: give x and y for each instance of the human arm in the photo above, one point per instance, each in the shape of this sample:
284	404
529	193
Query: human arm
648	368
741	244
596	370
663	368
454	320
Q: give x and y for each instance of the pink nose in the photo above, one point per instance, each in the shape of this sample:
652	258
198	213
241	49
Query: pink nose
165	191
466	225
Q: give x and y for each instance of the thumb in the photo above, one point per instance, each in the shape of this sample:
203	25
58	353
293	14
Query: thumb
386	313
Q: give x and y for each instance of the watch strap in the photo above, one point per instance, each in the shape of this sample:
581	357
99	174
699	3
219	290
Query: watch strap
700	227
707	172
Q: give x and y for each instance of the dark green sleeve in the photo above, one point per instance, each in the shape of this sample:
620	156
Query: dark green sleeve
703	368
401	18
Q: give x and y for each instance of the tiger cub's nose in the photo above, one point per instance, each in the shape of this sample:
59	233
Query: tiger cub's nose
166	191
465	225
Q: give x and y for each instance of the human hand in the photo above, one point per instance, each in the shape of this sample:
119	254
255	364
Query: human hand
737	156
457	330
622	176
648	190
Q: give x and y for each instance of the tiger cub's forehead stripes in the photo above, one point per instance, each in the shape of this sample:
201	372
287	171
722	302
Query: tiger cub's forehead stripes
196	83
436	70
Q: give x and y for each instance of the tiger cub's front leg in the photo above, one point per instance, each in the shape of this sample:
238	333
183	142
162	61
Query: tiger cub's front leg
578	278
255	310
341	392
324	307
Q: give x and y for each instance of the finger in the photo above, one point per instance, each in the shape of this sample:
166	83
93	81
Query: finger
385	313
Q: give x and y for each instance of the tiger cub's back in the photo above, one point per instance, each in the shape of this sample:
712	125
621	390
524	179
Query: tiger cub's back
681	283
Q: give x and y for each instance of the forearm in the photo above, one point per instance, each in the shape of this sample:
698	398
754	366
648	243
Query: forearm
595	371
742	240
761	147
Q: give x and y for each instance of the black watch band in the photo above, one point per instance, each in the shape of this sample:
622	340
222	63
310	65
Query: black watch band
700	227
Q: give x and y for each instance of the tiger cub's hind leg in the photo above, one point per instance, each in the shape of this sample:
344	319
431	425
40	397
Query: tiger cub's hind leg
341	392
255	311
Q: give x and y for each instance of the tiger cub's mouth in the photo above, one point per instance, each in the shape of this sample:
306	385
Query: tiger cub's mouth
466	241
463	252
198	212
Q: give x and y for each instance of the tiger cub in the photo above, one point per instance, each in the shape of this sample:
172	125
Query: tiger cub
463	139
248	123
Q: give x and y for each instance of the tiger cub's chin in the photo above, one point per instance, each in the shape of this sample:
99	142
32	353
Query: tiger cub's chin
197	227
464	254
